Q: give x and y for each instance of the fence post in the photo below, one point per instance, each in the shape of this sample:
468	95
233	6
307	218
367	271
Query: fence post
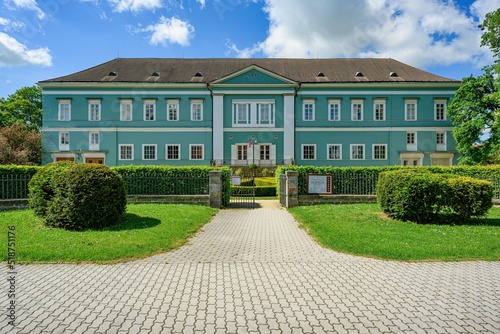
292	189
215	188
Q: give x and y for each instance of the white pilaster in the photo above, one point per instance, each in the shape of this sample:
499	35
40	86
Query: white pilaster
218	128
289	128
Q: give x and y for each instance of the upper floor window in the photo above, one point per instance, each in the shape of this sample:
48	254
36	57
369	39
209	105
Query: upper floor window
410	110
334	151
64	110
172	110
439	110
265	113
94	110
94	141
334	110
149	110
197	110
253	113
379	152
125	110
241	113
63	141
379	110
357	110
308	110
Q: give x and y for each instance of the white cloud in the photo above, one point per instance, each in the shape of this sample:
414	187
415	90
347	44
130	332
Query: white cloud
420	33
13	53
30	5
481	7
202	3
170	31
134	5
4	21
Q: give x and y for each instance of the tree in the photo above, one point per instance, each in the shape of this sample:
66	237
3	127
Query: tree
22	107
20	146
475	109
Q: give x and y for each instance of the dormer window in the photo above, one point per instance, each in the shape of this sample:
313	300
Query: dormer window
155	74
359	74
393	74
199	75
320	74
112	74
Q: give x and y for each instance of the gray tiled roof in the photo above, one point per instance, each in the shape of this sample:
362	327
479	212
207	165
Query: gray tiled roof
177	70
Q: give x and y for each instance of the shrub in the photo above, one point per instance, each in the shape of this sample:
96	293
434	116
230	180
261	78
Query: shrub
238	172
266	172
86	196
40	186
420	196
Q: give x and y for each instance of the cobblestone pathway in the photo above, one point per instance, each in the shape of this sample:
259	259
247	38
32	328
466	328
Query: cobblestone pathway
257	271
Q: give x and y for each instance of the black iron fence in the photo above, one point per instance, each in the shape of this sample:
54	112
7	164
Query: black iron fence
14	186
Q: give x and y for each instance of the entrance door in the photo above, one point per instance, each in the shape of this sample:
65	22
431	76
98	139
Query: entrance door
65	159
99	161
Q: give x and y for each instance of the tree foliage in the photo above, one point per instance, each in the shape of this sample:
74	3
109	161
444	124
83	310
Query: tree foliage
491	35
20	146
22	107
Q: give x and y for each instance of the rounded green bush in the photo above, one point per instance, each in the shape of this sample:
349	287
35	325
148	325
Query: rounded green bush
40	187
86	196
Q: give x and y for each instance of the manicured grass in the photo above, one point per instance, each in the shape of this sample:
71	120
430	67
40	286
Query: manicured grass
147	229
265	181
362	229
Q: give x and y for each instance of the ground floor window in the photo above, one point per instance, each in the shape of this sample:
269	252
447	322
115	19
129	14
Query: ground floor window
334	152
173	152
149	152
357	152
308	152
242	152
265	152
196	152
126	152
379	152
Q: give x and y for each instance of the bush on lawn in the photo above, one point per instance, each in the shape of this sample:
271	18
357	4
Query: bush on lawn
86	196
420	196
40	186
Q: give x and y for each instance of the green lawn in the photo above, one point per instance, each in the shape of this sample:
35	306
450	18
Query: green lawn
362	229
147	229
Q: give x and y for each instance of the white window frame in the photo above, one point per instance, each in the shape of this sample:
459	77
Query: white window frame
238	146
328	146
126	104
354	113
61	103
271	116
313	107
374	146
303	146
174	104
411	146
441	146
146	103
261	146
195	103
64	135
245	108
251	109
376	104
191	151
415	116
178	151
131	151
351	151
156	152
92	103
93	145
337	116
411	157
439	102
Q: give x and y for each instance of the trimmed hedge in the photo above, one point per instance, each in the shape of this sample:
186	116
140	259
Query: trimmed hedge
260	191
86	196
423	196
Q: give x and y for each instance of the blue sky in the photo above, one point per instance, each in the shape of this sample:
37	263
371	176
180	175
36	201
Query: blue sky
42	39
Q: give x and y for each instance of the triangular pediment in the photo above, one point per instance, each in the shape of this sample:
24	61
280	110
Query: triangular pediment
253	75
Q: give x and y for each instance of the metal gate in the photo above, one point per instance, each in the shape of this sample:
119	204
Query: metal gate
242	192
283	190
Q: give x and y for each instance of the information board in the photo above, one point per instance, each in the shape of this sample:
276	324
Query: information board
319	184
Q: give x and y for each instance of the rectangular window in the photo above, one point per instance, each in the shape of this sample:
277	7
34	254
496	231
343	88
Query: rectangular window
149	152
265	113
241	113
410	110
357	151
357	110
410	138
196	110
265	152
308	110
334	110
379	110
63	141
64	110
440	141
126	152
242	152
173	152
308	152
439	110
196	152
334	151
149	110
172	110
379	152
125	110
94	110
94	141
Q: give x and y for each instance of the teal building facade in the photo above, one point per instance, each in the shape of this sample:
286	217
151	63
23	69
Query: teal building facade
338	112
